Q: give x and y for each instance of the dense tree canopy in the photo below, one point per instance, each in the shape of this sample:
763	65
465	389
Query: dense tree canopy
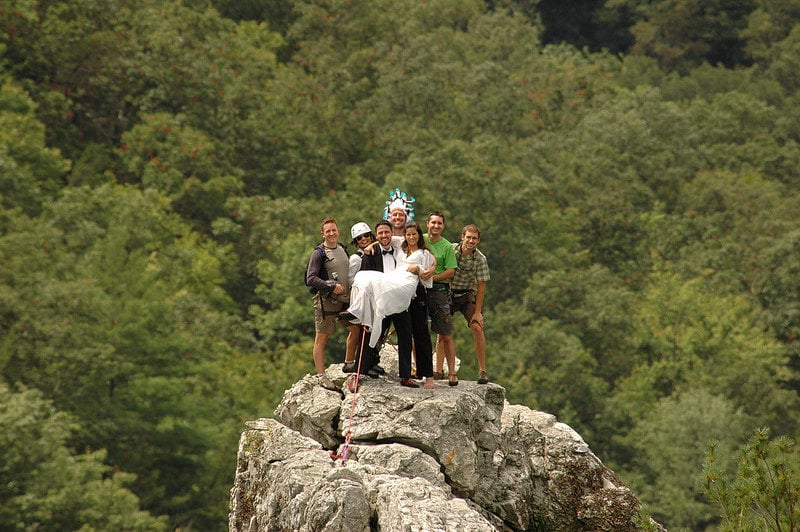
164	167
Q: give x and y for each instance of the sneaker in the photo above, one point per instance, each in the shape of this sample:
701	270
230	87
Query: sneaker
379	369
409	383
349	367
483	378
373	373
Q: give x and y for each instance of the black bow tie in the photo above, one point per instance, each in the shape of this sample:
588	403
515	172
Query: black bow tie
387	252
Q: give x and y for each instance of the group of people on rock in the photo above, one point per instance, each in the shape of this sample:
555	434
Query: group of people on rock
399	277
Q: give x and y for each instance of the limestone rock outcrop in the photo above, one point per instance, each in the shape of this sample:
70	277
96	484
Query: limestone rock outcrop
452	458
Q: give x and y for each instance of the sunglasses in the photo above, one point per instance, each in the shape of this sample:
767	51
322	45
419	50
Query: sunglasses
365	235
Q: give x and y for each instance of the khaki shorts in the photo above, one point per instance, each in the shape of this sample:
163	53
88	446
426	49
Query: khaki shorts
326	322
465	304
439	311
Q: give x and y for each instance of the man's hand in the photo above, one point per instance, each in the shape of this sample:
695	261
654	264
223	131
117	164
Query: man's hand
427	274
477	318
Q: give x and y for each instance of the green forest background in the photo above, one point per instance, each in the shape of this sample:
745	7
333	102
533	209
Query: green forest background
164	167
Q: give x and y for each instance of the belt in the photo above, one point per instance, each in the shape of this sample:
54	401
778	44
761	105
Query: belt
457	292
441	286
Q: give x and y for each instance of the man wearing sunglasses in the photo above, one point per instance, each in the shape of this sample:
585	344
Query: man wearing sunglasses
362	237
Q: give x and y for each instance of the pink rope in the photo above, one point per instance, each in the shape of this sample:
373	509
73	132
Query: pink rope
346	446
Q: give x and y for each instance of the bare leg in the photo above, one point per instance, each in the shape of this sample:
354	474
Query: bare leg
448	347
352	342
480	345
319	351
440	354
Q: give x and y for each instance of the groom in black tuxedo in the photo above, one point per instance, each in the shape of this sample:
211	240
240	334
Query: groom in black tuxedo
384	260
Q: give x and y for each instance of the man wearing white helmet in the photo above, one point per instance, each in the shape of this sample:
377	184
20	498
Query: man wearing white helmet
362	237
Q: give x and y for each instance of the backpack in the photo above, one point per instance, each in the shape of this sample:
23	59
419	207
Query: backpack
322	273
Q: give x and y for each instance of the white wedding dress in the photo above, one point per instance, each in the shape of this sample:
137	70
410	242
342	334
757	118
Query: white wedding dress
375	295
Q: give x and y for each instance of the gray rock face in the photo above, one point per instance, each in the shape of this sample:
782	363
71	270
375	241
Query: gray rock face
452	458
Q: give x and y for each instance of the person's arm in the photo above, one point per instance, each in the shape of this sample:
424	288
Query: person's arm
444	276
354	266
313	279
450	264
370	249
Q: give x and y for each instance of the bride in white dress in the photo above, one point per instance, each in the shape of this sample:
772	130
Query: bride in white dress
375	295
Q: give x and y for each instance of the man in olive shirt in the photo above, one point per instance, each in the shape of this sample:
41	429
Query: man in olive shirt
332	292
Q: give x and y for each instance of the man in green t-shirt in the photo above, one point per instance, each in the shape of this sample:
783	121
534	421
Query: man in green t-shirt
439	298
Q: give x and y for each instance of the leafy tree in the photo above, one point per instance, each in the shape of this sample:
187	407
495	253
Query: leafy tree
723	228
115	309
682	34
691	339
764	494
550	370
782	61
584	24
182	163
213	77
669	445
44	484
30	172
277	13
591	304
769	24
80	54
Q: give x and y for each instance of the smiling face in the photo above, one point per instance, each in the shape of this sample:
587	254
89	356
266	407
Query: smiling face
384	234
398	219
412	237
364	240
330	232
435	226
469	241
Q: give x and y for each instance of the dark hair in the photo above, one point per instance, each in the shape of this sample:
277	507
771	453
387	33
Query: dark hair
440	214
420	243
382	222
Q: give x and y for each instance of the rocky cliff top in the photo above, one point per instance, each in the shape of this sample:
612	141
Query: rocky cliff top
451	458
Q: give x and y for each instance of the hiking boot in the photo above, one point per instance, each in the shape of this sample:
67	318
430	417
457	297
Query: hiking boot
373	373
483	378
438	375
349	367
379	369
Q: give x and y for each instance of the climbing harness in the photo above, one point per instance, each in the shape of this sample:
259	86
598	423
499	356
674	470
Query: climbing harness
353	385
